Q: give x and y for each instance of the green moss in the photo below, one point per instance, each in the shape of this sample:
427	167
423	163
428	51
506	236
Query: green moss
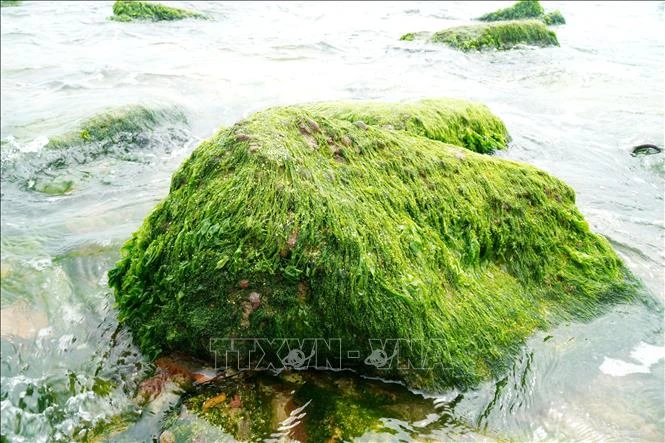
503	35
125	122
523	9
130	10
358	230
554	18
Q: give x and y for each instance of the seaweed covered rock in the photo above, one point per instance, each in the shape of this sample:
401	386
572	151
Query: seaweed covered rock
520	24
130	10
523	9
501	35
554	18
127	122
361	222
129	133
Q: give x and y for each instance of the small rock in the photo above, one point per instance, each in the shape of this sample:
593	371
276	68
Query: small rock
314	126
646	149
244	284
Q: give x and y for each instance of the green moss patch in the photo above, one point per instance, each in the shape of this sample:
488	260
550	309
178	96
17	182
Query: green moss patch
130	10
356	221
502	35
411	36
458	122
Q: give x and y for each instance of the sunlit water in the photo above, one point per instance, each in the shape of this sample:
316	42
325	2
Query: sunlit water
574	111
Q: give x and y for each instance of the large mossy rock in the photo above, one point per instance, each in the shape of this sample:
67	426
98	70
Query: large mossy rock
500	35
363	221
131	10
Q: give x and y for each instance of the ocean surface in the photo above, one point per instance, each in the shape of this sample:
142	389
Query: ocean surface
575	111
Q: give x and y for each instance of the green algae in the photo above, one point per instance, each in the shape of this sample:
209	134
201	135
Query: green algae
554	18
459	122
523	9
250	417
411	36
123	122
501	35
130	10
359	230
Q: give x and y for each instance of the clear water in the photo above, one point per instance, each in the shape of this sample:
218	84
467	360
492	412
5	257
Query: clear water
574	111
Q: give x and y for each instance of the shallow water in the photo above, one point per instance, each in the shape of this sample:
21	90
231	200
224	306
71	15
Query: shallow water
574	111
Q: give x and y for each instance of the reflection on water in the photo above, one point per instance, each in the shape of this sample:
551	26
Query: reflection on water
69	372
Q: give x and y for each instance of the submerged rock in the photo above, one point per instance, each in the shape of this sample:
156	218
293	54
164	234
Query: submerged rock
646	149
501	35
20	320
130	10
126	123
130	133
380	231
309	406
